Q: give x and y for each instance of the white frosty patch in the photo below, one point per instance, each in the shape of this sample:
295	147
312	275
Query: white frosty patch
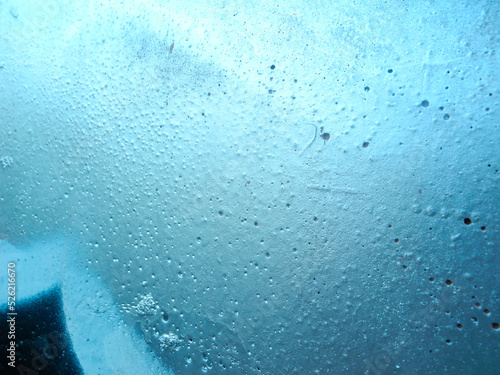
147	305
170	341
6	161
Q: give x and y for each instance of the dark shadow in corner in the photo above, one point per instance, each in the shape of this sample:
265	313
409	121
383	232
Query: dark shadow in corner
42	342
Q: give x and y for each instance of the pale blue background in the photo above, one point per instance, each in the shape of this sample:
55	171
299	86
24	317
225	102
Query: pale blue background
167	143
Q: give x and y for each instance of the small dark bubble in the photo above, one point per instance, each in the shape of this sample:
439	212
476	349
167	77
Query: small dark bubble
448	282
446	116
441	108
467	221
487	109
367	88
483	228
273	67
459	326
396	240
366	144
164	316
256	224
495	326
425	103
390	71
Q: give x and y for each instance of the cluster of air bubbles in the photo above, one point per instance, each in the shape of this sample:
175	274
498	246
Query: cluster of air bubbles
169	341
146	306
6	161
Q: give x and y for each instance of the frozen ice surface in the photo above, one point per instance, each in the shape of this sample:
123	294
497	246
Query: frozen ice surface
302	187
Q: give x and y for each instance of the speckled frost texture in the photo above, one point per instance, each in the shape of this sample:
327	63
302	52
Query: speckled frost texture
173	143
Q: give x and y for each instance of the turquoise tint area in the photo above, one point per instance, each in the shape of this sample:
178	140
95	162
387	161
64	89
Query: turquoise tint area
258	187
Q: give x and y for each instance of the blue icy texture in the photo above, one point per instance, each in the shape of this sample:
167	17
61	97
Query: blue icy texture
183	148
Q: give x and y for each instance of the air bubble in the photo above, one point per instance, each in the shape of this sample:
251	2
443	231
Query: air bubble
164	317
